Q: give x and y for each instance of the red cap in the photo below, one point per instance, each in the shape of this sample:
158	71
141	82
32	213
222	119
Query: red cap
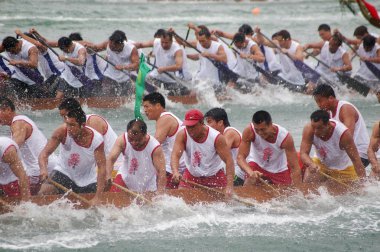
192	117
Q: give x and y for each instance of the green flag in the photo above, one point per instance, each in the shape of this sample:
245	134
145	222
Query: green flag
140	85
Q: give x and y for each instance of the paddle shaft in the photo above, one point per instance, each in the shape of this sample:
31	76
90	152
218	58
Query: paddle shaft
5	204
322	62
276	46
234	197
336	180
126	190
58	185
187	36
39	38
269	185
4	58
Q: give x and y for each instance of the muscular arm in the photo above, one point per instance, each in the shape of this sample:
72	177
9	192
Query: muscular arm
58	137
178	63
159	164
225	154
232	138
257	55
39	46
347	66
298	55
11	158
291	156
348	116
244	149
316	45
193	56
306	144
116	150
145	44
374	147
375	59
98	47
101	163
98	124
163	128
80	61
32	61
134	65
20	130
178	149
347	144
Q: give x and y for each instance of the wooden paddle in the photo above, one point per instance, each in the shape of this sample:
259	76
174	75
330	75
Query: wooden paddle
269	185
336	180
5	204
234	196
58	185
137	195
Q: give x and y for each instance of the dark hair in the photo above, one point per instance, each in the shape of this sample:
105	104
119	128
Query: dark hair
320	114
78	115
239	37
159	33
6	103
69	104
324	90
261	116
369	41
246	29
203	27
118	37
338	39
218	114
75	36
139	123
360	31
274	35
284	34
64	42
155	98
9	43
324	27
30	35
204	32
167	34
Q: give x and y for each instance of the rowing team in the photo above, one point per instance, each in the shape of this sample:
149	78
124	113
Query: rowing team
36	69
212	155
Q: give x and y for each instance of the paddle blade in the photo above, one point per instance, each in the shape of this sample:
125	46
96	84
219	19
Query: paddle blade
354	84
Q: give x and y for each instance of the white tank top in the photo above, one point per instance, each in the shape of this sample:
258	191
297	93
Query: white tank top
271	59
243	67
202	160
231	58
269	156
137	170
332	60
361	137
167	146
363	71
32	148
118	58
234	151
329	152
167	58
7	176
207	70
44	64
290	73
78	162
67	74
22	55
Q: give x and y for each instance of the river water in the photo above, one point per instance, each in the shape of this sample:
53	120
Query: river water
316	223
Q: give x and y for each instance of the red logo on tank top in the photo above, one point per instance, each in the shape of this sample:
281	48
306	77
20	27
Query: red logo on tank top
322	152
268	152
133	166
197	157
74	160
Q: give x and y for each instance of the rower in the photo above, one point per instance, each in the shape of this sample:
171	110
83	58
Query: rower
369	51
82	163
208	159
143	167
324	32
29	138
267	150
23	55
373	151
125	57
347	114
359	33
167	127
94	121
13	178
336	153
170	57
217	119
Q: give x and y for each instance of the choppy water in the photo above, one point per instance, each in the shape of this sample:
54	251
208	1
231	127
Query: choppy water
318	223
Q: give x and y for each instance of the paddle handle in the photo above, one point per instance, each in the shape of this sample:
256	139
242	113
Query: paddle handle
38	37
124	189
5	204
269	185
336	180
58	185
185	41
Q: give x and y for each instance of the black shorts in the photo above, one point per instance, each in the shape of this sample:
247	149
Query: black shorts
64	180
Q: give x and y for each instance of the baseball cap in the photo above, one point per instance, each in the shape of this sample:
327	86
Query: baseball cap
192	117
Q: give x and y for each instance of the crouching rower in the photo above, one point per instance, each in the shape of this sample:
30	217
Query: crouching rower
267	150
143	168
336	153
204	149
82	163
13	179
